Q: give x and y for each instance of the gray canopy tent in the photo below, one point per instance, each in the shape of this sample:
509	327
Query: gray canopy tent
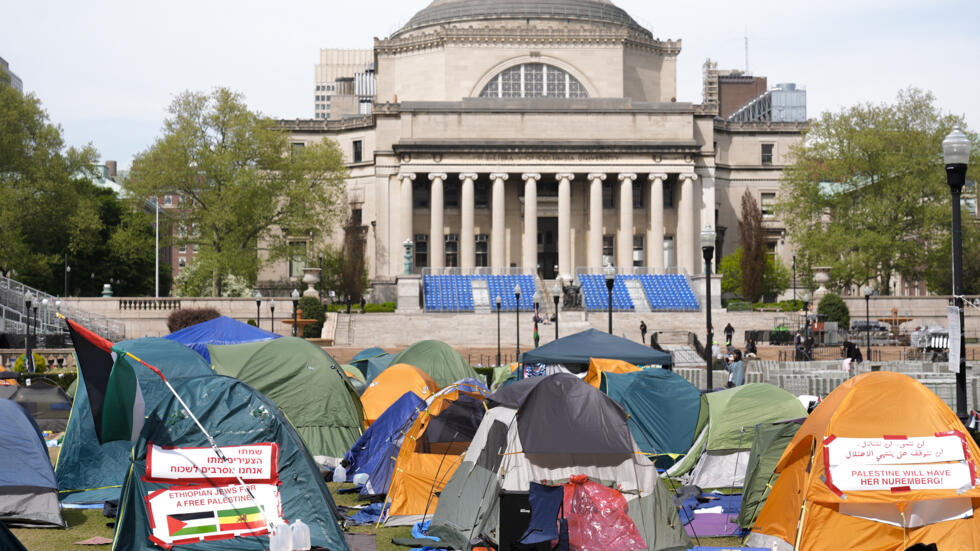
574	351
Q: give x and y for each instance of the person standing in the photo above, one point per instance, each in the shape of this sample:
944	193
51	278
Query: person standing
348	304
729	333
736	370
643	332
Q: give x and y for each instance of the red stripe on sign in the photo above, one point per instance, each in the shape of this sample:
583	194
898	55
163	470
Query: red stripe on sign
159	542
217	537
900	489
185	541
895	437
828	439
826	470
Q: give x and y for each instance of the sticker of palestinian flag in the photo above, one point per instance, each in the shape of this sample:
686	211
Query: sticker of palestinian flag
193	514
182	525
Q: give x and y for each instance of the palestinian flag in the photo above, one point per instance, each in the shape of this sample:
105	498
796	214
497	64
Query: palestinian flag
111	385
209	522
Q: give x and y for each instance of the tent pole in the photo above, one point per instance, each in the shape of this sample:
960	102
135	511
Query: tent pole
809	469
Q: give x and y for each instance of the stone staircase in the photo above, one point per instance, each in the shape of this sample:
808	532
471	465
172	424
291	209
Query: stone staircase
639	298
481	296
344	332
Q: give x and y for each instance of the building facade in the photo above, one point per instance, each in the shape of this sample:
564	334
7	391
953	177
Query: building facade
546	136
13	80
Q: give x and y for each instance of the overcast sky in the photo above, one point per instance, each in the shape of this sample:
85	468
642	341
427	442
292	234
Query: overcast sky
106	70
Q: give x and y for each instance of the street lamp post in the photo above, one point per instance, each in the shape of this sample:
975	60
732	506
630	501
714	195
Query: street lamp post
44	320
556	296
867	320
498	330
67	271
610	273
295	297
28	349
258	309
272	313
956	155
707	251
517	317
794	280
807	345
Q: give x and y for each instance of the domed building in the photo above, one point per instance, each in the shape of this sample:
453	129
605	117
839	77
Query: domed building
546	137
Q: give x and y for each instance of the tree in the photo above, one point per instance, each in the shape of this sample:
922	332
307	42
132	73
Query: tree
835	309
775	277
353	273
239	183
939	271
752	242
866	194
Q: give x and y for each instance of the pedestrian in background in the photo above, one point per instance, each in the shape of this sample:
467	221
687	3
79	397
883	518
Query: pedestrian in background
643	332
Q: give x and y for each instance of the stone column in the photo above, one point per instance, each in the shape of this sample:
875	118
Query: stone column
407	210
530	246
467	237
687	234
624	255
565	224
595	220
498	222
655	223
437	240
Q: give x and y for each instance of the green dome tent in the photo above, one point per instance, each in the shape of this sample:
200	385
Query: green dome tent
438	359
89	472
158	506
770	442
303	380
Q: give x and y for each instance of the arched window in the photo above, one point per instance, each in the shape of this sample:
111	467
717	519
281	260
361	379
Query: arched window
534	80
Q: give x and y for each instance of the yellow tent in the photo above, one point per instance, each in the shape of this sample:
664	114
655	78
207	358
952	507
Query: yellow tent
882	463
599	365
391	384
432	449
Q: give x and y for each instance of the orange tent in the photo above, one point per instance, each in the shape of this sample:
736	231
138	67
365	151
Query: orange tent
882	463
599	365
432	449
391	384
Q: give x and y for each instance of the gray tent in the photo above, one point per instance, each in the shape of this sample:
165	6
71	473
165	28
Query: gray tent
28	492
545	430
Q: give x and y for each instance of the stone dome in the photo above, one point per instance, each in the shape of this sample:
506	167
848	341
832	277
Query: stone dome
441	12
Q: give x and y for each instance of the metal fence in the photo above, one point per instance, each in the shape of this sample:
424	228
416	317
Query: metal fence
13	313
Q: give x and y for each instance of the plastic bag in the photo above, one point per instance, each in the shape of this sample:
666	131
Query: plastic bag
597	518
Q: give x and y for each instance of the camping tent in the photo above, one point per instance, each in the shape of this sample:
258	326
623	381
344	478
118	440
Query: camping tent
881	463
306	383
28	491
48	405
546	430
598	366
360	360
160	504
574	351
438	359
719	455
8	541
89	472
220	330
431	450
389	386
373	452
665	411
376	365
770	441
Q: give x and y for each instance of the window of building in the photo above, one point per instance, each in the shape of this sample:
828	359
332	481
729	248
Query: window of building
182	248
669	251
168	200
196	247
668	195
297	258
181	262
533	80
297	146
608	250
452	250
420	194
771	249
481	195
482	249
607	196
451	195
767	153
356	217
637	196
638	250
421	250
357	151
768	205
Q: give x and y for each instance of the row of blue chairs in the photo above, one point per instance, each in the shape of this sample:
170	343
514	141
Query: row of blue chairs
669	292
503	286
596	295
447	293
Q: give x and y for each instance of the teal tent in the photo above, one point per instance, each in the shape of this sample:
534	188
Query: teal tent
376	365
158	508
360	360
665	411
574	351
89	472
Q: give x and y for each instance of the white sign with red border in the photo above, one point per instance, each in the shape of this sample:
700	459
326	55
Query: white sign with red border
251	463
895	451
947	476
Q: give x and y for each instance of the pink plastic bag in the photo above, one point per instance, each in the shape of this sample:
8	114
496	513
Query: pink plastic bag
597	518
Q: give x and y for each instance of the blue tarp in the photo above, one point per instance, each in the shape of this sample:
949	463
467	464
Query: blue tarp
220	330
663	408
574	351
373	446
25	455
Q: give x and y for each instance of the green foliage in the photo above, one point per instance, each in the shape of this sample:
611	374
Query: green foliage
252	322
195	280
738	306
312	308
239	182
832	306
752	243
383	307
775	278
40	364
867	192
939	271
186	317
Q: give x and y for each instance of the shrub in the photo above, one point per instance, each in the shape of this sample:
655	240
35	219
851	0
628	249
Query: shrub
179	319
40	364
833	307
312	310
383	307
251	322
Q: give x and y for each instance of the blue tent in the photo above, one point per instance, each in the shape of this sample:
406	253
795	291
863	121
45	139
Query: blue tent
28	491
89	472
574	351
665	411
376	365
374	445
220	330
